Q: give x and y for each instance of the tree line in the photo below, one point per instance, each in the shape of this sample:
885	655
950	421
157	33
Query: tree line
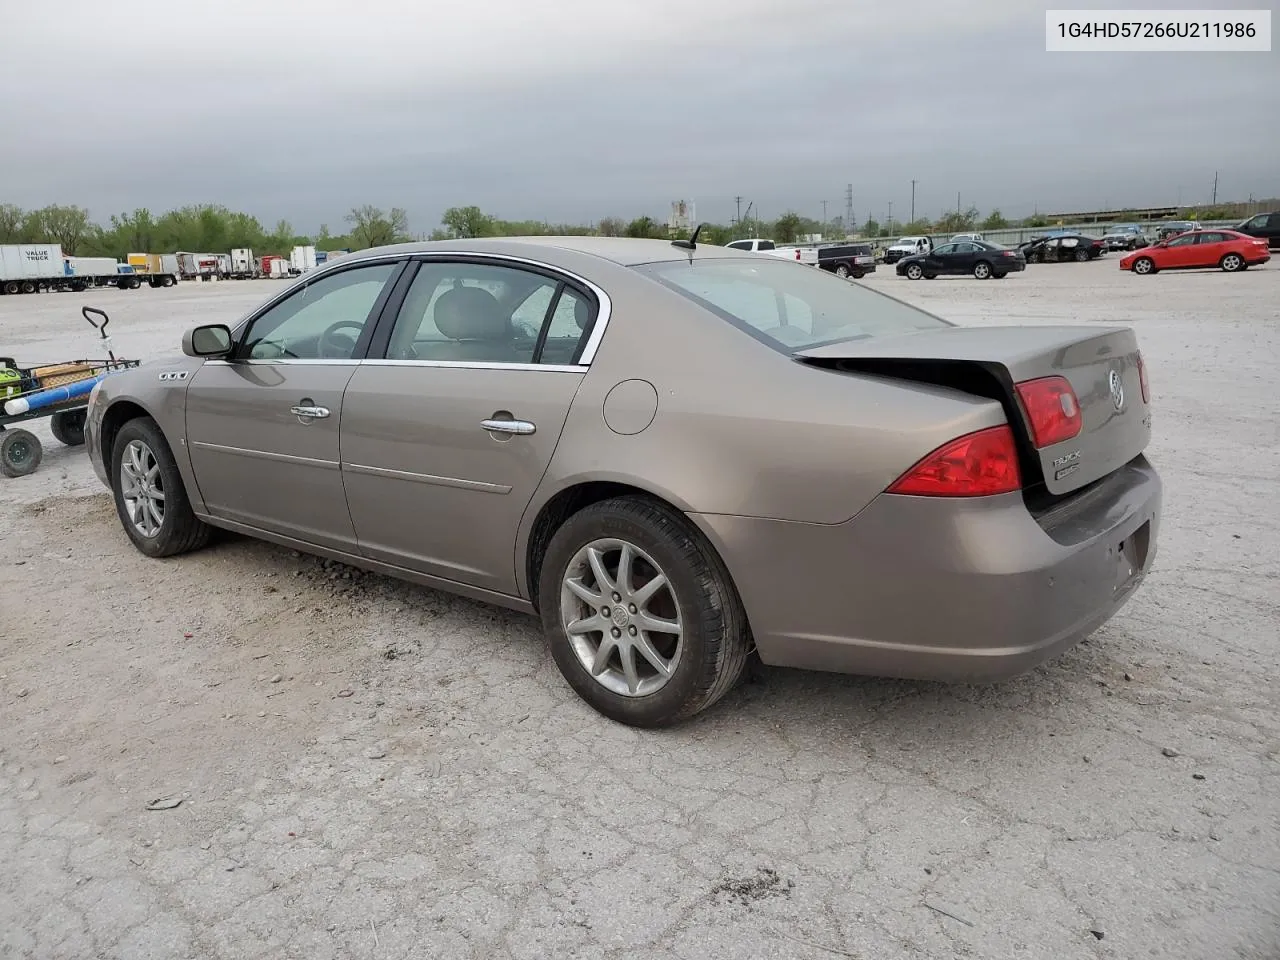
210	228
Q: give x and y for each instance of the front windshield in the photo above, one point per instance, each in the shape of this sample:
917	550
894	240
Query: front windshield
789	306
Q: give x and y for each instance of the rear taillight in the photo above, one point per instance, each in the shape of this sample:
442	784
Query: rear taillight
1142	379
1052	409
976	465
797	254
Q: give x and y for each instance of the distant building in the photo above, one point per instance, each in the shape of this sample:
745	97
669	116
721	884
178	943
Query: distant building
682	216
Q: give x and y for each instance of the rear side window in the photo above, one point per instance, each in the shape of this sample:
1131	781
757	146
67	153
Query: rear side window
789	306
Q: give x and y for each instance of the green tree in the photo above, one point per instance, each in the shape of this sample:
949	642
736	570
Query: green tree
11	217
642	227
871	228
612	227
467	222
67	226
995	221
1036	220
920	225
786	229
370	227
956	222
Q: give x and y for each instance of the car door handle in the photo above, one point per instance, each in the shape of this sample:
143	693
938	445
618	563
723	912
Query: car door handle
309	412
520	427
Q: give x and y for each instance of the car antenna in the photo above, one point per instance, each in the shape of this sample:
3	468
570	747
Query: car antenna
692	242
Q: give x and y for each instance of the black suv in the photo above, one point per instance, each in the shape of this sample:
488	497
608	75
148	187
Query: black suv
1265	226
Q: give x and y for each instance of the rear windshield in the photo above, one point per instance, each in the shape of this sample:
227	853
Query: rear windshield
789	306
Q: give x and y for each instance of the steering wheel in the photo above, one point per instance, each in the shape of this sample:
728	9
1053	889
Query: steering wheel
333	346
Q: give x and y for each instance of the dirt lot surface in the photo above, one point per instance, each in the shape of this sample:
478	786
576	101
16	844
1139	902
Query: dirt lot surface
370	769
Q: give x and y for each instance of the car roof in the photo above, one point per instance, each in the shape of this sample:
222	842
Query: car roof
626	251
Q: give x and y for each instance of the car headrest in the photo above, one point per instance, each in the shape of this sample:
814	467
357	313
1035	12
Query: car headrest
470	313
581	313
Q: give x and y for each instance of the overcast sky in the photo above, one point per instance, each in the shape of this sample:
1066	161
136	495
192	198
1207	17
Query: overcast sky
571	110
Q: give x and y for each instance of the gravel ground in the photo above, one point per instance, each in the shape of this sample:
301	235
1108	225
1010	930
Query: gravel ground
370	769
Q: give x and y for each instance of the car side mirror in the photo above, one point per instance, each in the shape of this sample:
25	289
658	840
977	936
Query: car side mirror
210	340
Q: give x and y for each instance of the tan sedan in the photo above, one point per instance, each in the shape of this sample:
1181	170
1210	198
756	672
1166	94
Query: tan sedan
676	456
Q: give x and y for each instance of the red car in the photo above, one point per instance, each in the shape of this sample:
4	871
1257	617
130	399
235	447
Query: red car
1199	249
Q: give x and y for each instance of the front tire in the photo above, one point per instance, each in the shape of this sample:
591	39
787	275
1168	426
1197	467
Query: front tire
640	613
1144	266
982	270
1232	263
150	498
914	271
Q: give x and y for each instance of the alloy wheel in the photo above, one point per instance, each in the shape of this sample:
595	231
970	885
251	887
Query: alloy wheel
142	488
622	618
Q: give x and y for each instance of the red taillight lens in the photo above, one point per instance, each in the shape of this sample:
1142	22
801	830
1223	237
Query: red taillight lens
797	254
976	465
1142	379
1052	410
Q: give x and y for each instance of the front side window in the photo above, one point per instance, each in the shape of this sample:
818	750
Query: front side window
489	313
947	248
787	306
1258	222
321	321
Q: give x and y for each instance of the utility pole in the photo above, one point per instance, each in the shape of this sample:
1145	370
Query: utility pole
889	218
913	201
824	211
738	218
849	226
957	203
1215	188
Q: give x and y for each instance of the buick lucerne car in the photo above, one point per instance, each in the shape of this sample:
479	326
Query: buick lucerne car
676	457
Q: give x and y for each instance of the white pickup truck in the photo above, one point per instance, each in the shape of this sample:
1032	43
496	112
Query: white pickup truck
807	255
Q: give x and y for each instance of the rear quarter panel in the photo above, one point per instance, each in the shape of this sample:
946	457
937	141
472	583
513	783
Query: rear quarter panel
740	428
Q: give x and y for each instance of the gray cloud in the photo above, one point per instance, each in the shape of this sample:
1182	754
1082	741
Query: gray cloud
577	110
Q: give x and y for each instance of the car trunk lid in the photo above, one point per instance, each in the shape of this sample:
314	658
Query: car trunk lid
1102	365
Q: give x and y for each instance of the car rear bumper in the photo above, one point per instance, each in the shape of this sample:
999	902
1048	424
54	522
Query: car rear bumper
933	588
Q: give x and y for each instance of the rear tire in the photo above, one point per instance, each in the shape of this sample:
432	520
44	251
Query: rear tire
67	426
842	272
11	286
704	658
1082	256
1144	266
20	453
167	282
982	270
28	286
1232	263
914	271
142	465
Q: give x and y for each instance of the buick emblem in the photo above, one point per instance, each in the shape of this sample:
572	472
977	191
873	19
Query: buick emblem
1117	390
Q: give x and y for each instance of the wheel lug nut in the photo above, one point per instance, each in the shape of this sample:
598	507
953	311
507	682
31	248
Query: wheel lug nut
616	632
617	598
631	630
632	608
606	612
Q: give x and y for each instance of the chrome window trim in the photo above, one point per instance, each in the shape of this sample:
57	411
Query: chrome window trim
479	365
264	361
311	276
604	310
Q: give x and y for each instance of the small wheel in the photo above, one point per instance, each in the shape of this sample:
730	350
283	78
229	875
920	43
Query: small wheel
914	271
150	499
842	272
1232	262
1082	256
642	618
67	427
1144	265
11	287
28	286
982	270
20	452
